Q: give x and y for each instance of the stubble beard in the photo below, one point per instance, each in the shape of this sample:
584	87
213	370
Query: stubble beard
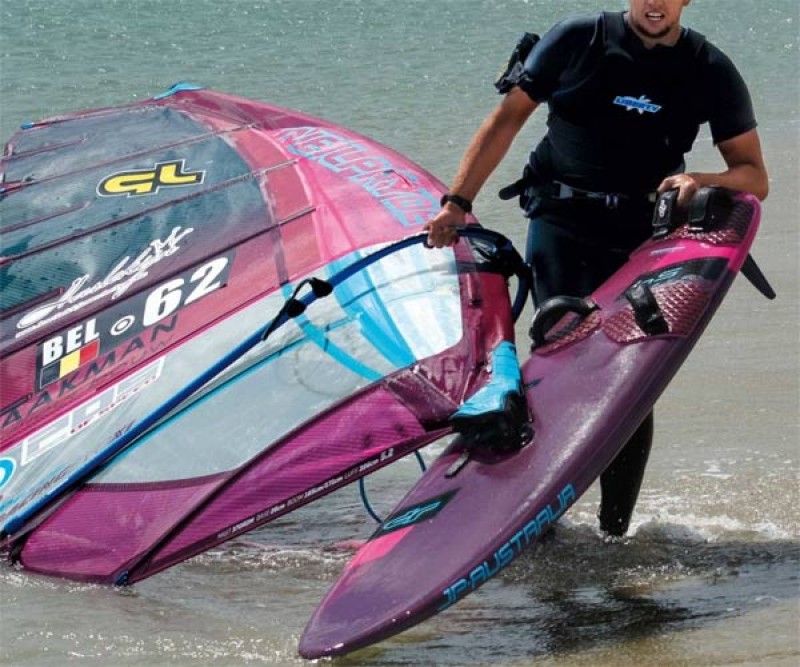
643	30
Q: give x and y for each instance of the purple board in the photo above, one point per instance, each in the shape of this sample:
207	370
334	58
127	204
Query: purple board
588	389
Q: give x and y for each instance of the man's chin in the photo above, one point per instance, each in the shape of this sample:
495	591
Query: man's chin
652	34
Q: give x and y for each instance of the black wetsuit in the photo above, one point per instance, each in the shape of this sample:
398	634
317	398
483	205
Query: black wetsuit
621	118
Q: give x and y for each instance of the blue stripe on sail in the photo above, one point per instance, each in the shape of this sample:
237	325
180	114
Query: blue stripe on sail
317	336
359	298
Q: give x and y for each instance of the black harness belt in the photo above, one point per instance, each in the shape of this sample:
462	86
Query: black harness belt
559	190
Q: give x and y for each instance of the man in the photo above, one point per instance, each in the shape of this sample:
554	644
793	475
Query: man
627	93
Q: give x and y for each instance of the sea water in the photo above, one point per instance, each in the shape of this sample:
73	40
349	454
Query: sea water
711	572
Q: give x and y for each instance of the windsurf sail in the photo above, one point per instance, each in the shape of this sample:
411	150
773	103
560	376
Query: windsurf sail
145	416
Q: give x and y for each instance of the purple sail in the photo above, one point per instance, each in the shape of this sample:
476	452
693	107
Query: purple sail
141	246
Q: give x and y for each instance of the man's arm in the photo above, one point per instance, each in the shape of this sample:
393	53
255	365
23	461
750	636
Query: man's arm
487	148
746	171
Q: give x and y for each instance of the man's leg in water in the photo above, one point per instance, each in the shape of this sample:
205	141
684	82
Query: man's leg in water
563	266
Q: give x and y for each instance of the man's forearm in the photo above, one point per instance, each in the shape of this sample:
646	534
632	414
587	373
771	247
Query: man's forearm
744	178
491	143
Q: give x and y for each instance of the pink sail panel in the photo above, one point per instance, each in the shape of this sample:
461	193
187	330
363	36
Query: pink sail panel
105	529
165	230
229	204
111	530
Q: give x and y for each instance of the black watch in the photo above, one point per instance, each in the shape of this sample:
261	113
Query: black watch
464	204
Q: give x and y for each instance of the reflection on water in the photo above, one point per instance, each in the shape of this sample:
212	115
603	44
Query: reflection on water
573	600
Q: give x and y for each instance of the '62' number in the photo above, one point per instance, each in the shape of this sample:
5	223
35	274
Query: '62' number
167	298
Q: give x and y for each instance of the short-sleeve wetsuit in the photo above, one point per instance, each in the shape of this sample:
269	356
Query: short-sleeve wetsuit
621	117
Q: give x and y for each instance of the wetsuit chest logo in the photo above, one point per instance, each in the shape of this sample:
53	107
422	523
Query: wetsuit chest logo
641	104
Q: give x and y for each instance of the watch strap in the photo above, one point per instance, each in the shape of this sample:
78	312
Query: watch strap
464	204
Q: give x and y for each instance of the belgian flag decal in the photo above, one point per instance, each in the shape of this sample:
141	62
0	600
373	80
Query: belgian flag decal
69	363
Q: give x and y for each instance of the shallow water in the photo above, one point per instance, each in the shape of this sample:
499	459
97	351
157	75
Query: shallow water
711	572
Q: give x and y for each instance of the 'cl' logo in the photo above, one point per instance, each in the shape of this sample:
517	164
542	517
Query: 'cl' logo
148	181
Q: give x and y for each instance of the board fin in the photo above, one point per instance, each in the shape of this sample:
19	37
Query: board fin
753	273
